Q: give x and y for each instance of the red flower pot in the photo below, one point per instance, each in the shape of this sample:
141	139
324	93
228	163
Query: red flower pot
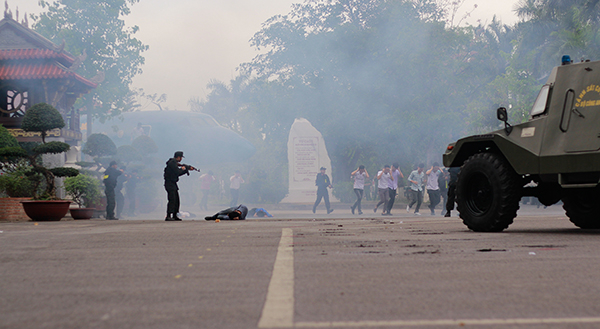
46	210
82	213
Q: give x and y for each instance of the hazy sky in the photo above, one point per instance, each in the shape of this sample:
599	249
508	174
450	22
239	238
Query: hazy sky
194	41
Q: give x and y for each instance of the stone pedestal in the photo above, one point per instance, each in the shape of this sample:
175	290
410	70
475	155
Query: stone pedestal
306	154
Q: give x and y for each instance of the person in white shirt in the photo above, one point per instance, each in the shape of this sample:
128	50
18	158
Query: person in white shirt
205	182
385	181
393	189
235	181
416	188
359	176
433	187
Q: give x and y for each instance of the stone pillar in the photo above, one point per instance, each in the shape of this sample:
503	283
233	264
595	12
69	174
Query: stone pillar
306	154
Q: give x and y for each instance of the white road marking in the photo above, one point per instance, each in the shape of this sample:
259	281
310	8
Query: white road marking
278	311
465	322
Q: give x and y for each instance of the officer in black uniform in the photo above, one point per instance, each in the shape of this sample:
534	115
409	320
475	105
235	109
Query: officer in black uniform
451	190
322	182
172	172
110	182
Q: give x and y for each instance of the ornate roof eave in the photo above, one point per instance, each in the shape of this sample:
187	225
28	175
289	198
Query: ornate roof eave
42	71
12	54
35	38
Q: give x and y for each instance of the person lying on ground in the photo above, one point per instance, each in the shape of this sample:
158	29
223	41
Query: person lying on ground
233	213
259	212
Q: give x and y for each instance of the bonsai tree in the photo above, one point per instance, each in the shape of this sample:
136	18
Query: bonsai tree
7	140
98	146
41	118
84	190
16	181
145	145
127	154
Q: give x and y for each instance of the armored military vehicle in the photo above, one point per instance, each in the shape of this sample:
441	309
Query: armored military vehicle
553	156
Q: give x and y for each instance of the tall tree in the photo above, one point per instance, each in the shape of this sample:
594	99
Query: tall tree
377	77
95	31
550	29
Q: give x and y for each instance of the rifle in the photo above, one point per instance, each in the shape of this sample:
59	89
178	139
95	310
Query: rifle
189	167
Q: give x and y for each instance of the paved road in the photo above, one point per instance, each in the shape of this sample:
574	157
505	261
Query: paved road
312	272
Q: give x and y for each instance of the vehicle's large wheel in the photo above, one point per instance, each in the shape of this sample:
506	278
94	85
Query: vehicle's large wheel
487	193
583	207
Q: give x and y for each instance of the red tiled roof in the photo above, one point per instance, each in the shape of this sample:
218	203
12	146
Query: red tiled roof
33	54
39	71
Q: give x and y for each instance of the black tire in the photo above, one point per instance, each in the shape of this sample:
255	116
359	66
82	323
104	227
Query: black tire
487	193
583	207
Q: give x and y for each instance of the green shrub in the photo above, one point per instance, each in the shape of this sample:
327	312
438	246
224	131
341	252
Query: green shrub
20	182
12	152
9	144
6	139
84	190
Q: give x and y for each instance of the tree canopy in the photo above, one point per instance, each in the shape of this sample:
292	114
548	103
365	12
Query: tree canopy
394	80
41	118
99	145
380	79
95	30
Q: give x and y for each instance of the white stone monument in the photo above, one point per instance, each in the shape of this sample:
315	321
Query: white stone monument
306	155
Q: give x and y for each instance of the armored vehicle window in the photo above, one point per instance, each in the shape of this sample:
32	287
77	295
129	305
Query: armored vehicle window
539	106
566	112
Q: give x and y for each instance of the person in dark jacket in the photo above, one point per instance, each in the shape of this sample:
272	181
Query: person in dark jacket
322	182
234	213
451	190
172	172
443	184
110	182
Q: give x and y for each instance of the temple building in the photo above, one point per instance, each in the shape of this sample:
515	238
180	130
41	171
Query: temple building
34	70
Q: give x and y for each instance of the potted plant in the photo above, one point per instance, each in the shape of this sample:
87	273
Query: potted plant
85	191
15	186
45	205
